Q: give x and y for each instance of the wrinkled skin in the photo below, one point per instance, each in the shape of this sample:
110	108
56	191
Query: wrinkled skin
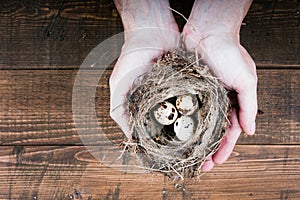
218	44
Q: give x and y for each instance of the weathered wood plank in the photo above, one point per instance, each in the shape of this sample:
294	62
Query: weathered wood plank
36	107
60	34
51	34
272	32
53	172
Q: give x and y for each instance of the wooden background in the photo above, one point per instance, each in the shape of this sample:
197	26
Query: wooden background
42	45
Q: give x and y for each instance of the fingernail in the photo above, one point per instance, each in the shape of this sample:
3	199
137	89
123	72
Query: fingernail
252	128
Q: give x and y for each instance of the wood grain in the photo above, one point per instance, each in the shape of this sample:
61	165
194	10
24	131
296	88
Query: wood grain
60	34
272	32
53	34
36	107
60	172
44	154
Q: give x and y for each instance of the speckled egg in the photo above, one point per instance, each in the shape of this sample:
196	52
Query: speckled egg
186	104
184	128
165	113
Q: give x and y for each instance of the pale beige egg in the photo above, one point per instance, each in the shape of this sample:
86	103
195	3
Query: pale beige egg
165	113
186	104
184	128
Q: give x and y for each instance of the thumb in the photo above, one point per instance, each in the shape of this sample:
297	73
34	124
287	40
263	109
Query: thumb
247	94
117	110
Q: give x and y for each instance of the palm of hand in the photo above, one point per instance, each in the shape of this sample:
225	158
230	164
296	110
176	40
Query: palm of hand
228	61
231	63
235	69
138	53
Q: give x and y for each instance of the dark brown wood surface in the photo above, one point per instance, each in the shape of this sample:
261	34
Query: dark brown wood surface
36	34
39	111
56	172
42	156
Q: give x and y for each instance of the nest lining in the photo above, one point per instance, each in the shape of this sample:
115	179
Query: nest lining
177	73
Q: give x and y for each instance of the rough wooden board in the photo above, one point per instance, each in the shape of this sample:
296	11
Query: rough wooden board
57	172
36	107
51	34
272	32
60	34
279	107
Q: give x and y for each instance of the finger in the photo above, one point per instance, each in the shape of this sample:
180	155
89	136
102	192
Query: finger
247	99
228	142
208	165
120	82
247	95
118	93
117	113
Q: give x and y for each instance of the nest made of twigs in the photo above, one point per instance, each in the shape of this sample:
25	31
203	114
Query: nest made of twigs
177	73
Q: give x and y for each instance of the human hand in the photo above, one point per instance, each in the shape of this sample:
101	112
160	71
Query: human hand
148	35
216	37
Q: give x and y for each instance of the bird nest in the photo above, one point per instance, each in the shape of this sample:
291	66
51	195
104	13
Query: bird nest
175	74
